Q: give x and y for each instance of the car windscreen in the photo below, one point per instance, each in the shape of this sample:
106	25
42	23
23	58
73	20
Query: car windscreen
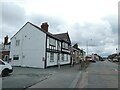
2	63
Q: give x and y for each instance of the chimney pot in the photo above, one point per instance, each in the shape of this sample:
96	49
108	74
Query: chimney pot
6	40
45	26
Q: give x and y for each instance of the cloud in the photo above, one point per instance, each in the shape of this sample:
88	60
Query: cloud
13	16
113	20
99	35
56	24
80	26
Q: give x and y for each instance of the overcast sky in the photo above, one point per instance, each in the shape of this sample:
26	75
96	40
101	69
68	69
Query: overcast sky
92	21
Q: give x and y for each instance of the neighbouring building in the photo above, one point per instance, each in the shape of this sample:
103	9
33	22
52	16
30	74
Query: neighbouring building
34	46
97	57
5	49
114	57
82	55
77	54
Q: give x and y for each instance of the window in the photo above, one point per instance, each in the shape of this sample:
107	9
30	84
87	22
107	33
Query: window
52	41
65	45
58	45
62	57
66	57
17	43
15	57
51	57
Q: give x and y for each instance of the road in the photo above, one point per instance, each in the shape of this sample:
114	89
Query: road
24	77
102	74
52	77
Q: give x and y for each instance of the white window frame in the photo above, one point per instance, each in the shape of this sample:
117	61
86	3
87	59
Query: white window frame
51	57
52	41
63	57
17	43
58	45
66	57
16	56
65	45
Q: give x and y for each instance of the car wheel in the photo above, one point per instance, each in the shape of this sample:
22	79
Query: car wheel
5	72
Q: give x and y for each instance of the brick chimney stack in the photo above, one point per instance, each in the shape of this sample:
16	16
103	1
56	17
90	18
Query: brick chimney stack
6	40
45	26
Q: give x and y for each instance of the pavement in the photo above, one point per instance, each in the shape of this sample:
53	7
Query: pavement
99	75
52	77
65	77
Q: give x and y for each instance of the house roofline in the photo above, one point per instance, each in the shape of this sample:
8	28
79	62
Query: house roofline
48	33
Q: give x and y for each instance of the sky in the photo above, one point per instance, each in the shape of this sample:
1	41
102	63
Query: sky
92	21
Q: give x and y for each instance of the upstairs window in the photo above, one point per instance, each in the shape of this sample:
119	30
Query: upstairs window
17	43
65	45
52	41
58	45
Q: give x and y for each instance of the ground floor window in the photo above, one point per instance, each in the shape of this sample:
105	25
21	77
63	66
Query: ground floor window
51	57
66	57
62	57
15	57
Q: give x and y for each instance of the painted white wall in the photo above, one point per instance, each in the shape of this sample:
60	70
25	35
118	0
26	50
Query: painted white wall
49	63
32	47
65	62
56	58
48	42
59	48
48	59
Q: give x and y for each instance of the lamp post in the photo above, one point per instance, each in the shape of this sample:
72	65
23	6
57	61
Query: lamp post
87	44
87	47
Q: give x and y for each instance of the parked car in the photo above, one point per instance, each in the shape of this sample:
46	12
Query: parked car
102	59
5	68
115	60
90	59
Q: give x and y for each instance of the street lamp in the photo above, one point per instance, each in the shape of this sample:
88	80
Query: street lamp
87	44
87	47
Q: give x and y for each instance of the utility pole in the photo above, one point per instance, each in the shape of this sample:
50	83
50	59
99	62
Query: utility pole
87	47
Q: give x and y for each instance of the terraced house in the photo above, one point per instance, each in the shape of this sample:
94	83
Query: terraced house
34	46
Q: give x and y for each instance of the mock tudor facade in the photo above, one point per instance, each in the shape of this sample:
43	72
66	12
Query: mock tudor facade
34	46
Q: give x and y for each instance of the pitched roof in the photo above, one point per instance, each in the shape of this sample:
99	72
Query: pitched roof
63	36
48	33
